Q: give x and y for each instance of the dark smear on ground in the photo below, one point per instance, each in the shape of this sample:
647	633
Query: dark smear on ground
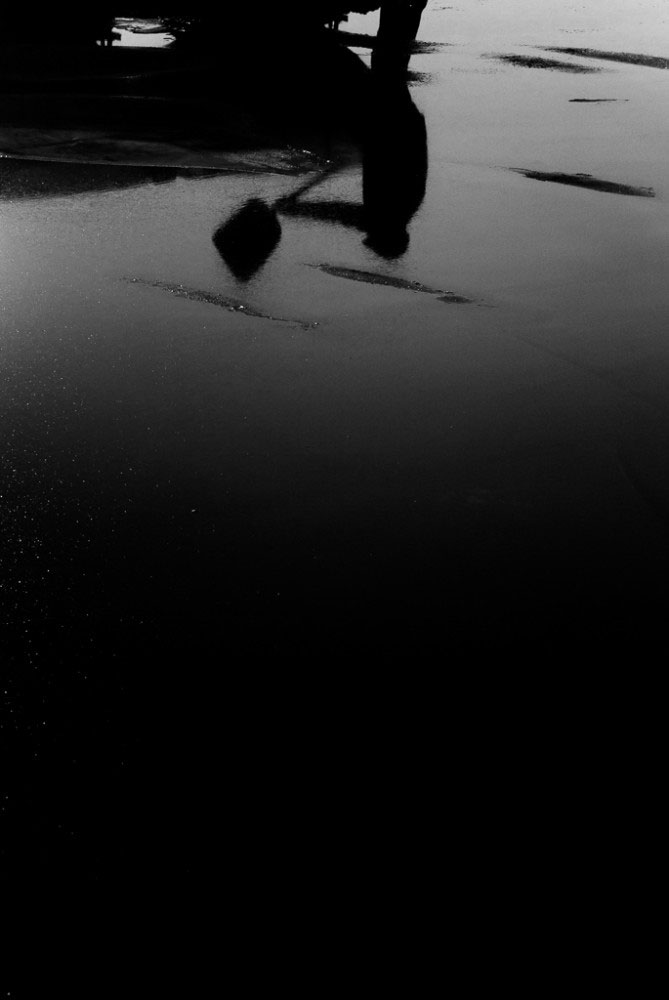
586	181
537	62
414	78
212	299
428	48
452	299
632	58
374	278
598	100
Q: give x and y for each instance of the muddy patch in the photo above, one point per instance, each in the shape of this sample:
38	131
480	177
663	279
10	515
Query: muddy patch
632	58
214	299
390	281
585	181
538	62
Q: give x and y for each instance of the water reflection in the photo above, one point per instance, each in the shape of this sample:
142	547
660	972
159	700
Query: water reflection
398	28
395	162
394	175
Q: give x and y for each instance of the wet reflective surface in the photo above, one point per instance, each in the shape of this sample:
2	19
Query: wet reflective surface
226	468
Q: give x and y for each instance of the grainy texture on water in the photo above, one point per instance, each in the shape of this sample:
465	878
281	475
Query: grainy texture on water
215	526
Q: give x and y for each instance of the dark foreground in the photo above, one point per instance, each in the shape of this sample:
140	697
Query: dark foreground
294	538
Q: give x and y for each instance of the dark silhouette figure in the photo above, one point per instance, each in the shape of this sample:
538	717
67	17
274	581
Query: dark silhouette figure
398	27
394	144
394	175
393	141
248	239
394	172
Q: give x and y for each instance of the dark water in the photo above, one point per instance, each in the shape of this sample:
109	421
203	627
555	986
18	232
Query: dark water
249	505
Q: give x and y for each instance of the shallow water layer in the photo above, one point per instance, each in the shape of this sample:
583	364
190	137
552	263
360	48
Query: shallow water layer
221	466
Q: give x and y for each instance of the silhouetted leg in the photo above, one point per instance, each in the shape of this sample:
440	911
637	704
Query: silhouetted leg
398	27
415	14
395	163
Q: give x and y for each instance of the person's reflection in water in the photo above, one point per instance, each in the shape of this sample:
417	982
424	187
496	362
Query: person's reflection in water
398	28
394	171
394	175
394	162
